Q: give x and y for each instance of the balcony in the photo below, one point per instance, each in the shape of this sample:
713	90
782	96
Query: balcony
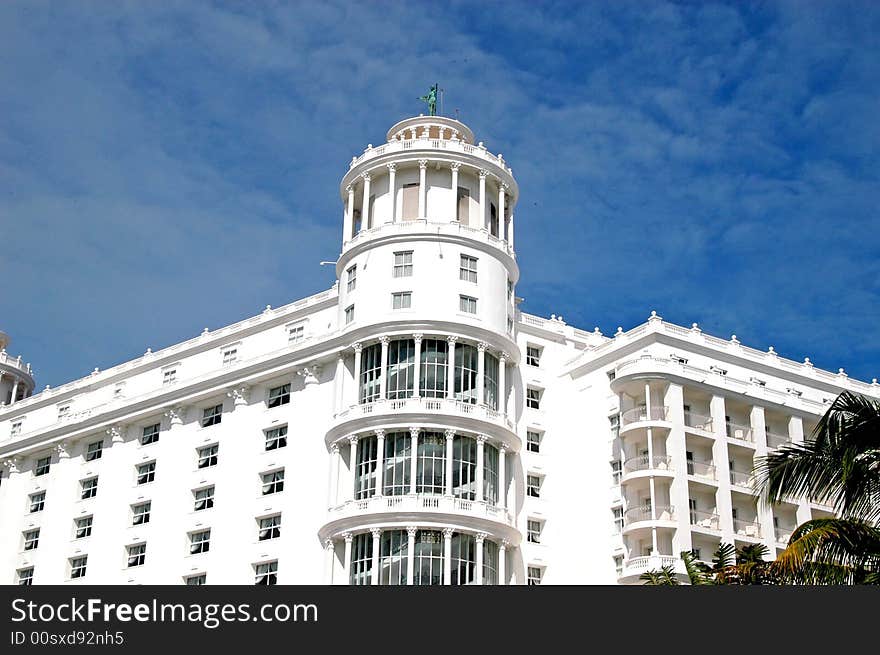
775	440
703	471
643	415
705	520
15	363
742	479
645	463
636	515
635	566
423	226
740	432
747	528
698	422
783	533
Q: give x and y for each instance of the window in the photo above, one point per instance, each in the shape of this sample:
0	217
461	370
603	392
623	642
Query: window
212	415
270	528
14	431
401	369
230	355
150	434
296	333
89	487
208	456
403	264
42	467
534	531
365	468
94	450
462	207
63	411
146	472
371	367
349	314
83	526
533	441
204	498
535	575
509	291
618	519
352	278
410	209
533	486
614	420
140	513
26	576
119	391
196	580
38	501
611	375
273	482
78	566
200	542
533	398
616	472
432	381
618	565
467	269
31	539
279	395
266	573
467	304
137	555
169	376
401	300
276	438
533	356
465	378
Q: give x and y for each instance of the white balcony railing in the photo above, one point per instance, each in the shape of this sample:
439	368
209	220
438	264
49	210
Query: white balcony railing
14	362
703	470
645	463
638	514
740	432
445	406
698	421
432	144
708	520
421	503
747	528
783	533
742	479
419	226
639	414
775	440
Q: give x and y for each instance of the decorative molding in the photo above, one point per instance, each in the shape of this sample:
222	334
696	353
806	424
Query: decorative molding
11	464
452	339
414	431
423	164
380	433
480	537
176	414
310	373
450	434
447	533
391	167
239	395
328	544
418	336
483	174
353	440
376	532
385	340
482	346
455	165
116	433
411	530
334	448
348	536
357	347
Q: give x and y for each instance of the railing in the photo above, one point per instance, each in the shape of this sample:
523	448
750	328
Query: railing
740	432
783	533
422	143
747	528
775	440
422	225
14	362
636	514
698	421
638	414
742	479
421	502
638	565
426	405
698	469
644	463
708	520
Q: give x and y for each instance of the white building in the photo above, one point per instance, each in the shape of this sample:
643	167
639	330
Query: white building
303	445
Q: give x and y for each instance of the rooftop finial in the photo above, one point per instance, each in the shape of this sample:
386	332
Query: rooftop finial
431	100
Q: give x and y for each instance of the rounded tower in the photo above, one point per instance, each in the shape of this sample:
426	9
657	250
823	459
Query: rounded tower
16	377
424	432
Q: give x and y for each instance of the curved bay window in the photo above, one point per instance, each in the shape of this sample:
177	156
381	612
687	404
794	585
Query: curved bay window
401	368
464	553
432	377
392	557
428	561
490	474
395	476
464	468
466	359
431	470
361	559
490	396
365	474
371	368
490	562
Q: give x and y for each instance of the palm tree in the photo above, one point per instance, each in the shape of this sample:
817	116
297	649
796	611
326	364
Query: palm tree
838	465
662	578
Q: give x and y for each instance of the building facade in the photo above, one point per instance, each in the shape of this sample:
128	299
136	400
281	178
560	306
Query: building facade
409	425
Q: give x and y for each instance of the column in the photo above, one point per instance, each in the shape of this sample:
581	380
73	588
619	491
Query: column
352	463
450	439
481	454
803	512
349	215
423	190
374	569
502	187
455	166
764	512
358	348
481	373
676	449
410	553
328	561
502	384
417	371
2	400
502	562
380	460
383	373
392	189
14	396
510	233
502	476
413	460
333	492
349	537
339	381
654	550
450	367
447	556
720	460
483	175
365	206
478	574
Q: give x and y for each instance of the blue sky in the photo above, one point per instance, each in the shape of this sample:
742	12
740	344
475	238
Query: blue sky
166	167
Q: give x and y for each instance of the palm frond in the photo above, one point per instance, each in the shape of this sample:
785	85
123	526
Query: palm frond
831	551
696	571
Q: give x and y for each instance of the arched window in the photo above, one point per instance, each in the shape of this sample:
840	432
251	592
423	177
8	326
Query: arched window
401	368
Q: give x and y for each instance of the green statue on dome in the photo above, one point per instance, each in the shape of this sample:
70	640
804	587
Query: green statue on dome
431	99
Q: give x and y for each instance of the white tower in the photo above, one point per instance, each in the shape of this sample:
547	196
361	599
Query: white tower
16	377
424	480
